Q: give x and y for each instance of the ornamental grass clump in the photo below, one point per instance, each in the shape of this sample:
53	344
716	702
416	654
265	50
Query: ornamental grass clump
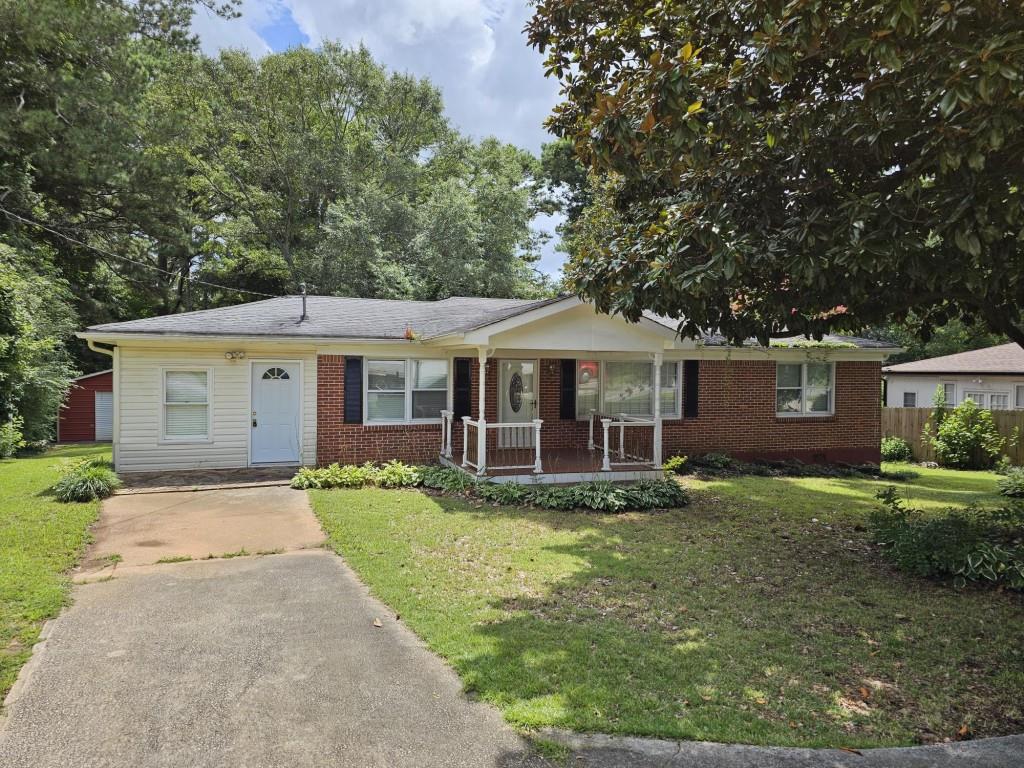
87	481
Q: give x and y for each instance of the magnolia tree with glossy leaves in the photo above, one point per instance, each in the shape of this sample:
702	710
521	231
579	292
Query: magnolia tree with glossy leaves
795	167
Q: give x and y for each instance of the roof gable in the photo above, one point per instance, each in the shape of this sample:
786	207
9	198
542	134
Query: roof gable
1004	358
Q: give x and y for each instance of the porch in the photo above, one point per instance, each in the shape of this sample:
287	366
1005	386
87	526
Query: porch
617	448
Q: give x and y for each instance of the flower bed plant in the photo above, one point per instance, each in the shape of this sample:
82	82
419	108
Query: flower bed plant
87	481
599	496
721	464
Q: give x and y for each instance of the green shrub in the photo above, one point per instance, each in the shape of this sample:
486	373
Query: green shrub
600	496
676	464
967	544
718	461
552	497
332	476
395	474
11	438
446	479
1012	483
503	493
967	438
896	449
86	482
656	494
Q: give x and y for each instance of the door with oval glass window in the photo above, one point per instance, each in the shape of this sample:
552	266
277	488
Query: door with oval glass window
517	401
275	413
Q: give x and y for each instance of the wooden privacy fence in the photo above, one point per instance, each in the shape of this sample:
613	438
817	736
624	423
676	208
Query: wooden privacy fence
908	423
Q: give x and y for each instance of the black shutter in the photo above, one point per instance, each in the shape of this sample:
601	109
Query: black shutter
691	386
353	390
462	400
567	401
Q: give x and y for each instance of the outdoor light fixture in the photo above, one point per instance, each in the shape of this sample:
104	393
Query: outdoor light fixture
234	355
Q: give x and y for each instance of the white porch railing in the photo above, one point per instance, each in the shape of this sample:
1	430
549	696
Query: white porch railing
447	417
514	445
635	445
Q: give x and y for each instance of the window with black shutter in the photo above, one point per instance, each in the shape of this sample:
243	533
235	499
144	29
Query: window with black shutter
567	399
462	397
691	387
353	390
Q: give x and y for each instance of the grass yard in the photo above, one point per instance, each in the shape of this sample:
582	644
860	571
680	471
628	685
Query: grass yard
40	539
737	619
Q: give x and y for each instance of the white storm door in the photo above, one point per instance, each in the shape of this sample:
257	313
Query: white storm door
275	413
104	417
517	401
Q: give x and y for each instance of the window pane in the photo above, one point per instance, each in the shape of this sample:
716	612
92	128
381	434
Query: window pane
788	375
977	397
587	387
949	392
430	374
389	406
910	399
818	399
787	401
627	388
819	375
385	374
669	389
1020	395
185	387
185	420
428	404
998	402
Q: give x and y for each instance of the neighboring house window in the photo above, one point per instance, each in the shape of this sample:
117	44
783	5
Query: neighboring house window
910	399
999	401
186	405
803	388
625	386
977	397
406	390
949	393
1020	396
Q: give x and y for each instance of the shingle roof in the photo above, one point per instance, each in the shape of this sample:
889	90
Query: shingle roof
709	339
1005	358
352	318
332	317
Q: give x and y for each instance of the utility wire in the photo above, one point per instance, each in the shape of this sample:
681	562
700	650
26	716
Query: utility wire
12	215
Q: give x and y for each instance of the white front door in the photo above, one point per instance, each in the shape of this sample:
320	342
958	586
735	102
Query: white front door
517	401
275	413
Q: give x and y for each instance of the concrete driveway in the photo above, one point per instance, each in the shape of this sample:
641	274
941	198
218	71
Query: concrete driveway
145	527
255	662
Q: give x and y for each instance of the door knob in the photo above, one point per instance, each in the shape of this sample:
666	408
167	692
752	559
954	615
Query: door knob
254	422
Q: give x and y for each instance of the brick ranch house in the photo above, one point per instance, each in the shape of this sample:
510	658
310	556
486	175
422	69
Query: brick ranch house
545	390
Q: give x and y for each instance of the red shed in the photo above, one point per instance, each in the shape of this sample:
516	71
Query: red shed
88	412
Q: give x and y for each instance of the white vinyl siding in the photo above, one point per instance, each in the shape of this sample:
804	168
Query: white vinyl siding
141	446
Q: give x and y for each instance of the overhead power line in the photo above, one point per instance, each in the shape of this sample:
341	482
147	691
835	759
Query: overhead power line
104	252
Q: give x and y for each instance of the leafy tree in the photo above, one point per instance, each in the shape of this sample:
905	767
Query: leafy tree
35	320
776	167
919	343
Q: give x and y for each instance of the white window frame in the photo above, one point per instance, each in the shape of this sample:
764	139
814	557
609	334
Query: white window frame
980	398
407	411
1018	396
911	394
176	439
950	401
999	394
602	405
802	413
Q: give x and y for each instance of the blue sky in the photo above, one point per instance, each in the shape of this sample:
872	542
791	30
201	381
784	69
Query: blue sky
473	50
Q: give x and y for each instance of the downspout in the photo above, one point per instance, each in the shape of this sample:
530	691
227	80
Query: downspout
113	352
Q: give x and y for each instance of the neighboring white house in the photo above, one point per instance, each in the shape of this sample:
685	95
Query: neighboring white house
991	377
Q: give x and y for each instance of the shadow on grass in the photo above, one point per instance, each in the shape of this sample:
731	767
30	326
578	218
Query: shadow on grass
724	622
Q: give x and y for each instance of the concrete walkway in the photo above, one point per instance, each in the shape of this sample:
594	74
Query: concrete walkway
144	528
259	662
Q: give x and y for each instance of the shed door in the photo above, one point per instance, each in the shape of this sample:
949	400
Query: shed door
104	416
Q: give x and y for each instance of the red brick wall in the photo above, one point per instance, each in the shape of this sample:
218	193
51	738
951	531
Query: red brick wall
736	415
356	443
77	420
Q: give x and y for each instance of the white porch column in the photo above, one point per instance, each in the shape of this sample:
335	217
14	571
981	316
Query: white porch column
658	357
606	464
465	440
590	429
481	434
536	432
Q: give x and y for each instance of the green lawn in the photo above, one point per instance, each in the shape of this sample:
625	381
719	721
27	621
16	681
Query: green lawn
40	539
737	619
